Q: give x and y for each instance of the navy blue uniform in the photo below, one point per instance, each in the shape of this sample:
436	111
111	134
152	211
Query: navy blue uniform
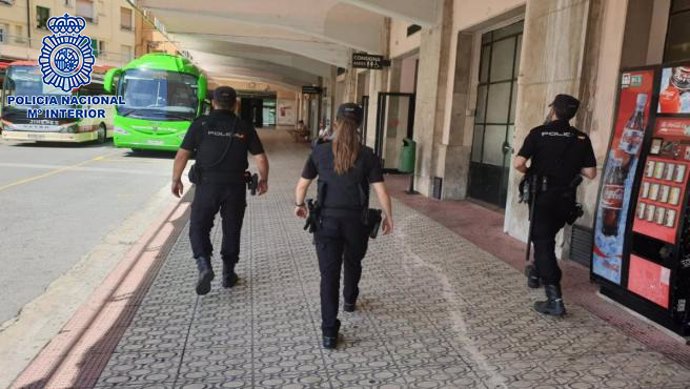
222	187
341	236
559	152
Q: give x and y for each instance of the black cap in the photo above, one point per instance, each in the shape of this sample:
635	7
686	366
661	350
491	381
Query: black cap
224	94
351	111
565	103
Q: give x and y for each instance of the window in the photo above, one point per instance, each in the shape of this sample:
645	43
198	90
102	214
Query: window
4	32
94	47
126	19
413	28
494	119
678	34
85	10
42	16
101	48
126	51
19	34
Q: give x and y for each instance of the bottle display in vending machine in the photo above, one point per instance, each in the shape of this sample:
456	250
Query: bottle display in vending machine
660	208
675	90
620	173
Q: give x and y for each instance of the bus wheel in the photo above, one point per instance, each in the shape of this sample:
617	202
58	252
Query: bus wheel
102	134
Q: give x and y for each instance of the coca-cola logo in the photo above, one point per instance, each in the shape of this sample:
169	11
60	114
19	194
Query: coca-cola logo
613	196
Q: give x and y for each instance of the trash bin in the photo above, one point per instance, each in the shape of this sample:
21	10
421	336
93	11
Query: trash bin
407	156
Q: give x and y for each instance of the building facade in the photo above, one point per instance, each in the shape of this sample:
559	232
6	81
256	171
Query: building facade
110	25
478	81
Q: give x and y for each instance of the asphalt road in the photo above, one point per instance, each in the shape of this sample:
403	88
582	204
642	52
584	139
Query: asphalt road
62	206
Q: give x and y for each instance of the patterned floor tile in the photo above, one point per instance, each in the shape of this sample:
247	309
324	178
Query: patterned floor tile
141	368
432	313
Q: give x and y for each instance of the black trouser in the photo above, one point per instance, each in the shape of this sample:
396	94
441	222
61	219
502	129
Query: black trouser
338	240
550	215
231	200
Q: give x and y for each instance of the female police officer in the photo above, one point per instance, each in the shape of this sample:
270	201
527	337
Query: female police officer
345	169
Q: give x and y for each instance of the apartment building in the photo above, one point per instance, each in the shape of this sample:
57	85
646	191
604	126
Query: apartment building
110	25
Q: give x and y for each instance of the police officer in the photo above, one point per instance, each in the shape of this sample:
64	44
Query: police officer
558	154
221	142
345	170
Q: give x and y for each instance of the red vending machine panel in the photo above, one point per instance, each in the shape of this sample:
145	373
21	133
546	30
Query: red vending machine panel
650	280
664	181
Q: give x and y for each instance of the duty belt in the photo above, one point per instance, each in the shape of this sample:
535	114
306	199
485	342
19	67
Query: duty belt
342	212
228	177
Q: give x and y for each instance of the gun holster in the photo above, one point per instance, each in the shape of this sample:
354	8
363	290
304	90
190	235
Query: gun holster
312	223
575	213
194	174
372	220
252	181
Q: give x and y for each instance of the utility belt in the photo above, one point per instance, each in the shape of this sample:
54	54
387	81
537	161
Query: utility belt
198	176
532	185
371	218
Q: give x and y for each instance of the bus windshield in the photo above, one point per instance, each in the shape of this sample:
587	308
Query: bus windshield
26	81
158	95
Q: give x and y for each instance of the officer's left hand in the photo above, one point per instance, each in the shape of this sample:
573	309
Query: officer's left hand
263	187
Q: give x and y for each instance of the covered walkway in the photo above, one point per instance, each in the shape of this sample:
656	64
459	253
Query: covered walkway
436	311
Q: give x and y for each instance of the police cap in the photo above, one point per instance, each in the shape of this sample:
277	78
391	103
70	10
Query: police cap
566	104
225	94
351	111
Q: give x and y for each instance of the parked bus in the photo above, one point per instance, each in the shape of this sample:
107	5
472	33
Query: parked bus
163	94
23	78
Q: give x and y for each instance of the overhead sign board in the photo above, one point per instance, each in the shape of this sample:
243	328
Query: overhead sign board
368	61
312	90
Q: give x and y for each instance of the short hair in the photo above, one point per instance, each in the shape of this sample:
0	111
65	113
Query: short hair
563	113
224	104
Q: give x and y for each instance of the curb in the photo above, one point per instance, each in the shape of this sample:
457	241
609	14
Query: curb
79	352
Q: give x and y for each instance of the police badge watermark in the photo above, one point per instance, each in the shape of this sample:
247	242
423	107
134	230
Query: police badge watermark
66	63
66	59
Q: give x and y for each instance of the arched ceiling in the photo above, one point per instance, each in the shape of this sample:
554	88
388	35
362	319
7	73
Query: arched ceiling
288	42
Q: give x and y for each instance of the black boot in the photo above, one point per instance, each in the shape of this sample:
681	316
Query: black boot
330	341
203	285
533	280
554	302
229	276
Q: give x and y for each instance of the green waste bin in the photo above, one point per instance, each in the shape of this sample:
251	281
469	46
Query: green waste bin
407	156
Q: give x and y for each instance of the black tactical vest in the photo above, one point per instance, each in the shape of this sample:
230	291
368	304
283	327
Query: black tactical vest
349	191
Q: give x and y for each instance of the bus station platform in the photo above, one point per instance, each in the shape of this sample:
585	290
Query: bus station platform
442	305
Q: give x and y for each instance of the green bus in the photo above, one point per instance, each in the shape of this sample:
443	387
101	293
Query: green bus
163	94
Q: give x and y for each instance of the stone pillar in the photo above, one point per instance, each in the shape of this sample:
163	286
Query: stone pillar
551	63
378	82
430	103
458	122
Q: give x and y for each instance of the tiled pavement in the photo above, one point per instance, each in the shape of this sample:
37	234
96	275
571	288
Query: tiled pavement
435	312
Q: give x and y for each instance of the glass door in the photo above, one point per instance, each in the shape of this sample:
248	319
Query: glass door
394	122
494	122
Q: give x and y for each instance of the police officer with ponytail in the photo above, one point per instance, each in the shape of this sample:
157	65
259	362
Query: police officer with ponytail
346	170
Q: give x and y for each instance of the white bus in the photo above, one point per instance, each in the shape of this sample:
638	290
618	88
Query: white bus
23	78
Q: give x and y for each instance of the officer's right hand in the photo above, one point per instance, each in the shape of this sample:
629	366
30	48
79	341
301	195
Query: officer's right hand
177	188
387	225
301	212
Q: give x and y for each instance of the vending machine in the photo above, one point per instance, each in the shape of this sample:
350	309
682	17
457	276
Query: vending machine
641	253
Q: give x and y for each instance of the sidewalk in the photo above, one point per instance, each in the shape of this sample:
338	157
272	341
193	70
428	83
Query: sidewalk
436	311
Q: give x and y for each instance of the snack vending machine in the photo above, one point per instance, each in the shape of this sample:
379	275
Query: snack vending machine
641	254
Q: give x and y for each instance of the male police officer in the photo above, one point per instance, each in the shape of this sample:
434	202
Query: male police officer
221	142
559	153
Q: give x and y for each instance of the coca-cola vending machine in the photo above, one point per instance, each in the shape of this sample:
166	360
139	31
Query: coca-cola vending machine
641	254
